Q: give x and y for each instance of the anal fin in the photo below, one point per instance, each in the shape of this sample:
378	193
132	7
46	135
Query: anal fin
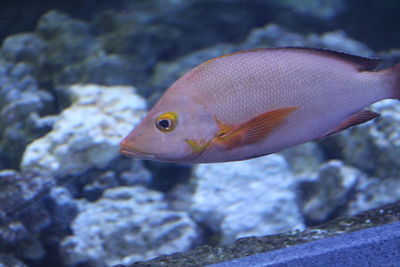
354	119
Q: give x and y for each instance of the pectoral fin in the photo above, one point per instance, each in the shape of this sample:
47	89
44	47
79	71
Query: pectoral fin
253	130
356	118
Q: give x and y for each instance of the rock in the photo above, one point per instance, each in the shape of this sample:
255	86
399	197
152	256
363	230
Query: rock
25	47
146	38
69	41
374	148
70	38
103	181
166	175
142	42
135	174
253	197
22	215
86	134
101	68
340	41
21	105
244	247
372	192
16	189
119	172
10	261
128	224
272	35
331	189
166	73
316	8
63	208
74	54
375	142
304	160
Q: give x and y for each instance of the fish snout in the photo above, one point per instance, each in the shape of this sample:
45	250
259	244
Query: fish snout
127	148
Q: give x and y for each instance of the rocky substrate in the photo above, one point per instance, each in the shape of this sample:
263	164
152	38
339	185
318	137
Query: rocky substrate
205	255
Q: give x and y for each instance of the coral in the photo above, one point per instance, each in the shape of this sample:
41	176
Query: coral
207	255
128	224
101	68
87	133
304	160
230	198
329	191
372	192
21	105
317	8
22	216
376	142
23	47
10	261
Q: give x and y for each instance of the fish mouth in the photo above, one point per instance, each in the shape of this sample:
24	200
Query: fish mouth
134	153
128	149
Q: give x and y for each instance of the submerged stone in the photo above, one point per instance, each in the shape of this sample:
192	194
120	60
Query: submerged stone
127	224
87	133
253	197
22	103
330	190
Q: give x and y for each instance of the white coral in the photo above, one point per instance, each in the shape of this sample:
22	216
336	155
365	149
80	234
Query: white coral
87	133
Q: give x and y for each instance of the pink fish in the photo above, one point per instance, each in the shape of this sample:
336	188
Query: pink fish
256	102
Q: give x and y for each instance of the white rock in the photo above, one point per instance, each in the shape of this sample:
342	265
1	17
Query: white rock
87	133
332	187
253	197
374	192
374	147
128	224
305	159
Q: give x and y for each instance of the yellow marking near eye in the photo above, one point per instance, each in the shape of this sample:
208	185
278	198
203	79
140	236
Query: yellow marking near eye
168	115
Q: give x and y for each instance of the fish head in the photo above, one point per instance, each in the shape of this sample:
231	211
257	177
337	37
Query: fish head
177	129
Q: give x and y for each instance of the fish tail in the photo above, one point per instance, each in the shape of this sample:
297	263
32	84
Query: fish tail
396	74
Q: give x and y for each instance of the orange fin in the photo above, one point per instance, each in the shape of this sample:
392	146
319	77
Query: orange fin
253	130
355	119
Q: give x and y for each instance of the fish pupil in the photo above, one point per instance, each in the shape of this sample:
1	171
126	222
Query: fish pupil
164	124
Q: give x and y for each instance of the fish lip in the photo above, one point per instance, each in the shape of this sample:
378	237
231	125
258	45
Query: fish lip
134	153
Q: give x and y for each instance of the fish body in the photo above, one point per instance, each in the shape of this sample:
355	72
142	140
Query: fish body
256	102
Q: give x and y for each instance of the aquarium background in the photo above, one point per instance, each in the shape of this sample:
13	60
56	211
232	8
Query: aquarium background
77	76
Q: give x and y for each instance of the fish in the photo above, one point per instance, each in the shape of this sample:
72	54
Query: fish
253	103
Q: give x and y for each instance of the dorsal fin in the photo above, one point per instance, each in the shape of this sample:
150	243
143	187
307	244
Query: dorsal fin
361	63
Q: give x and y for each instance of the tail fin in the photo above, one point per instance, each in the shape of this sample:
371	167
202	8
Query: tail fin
396	74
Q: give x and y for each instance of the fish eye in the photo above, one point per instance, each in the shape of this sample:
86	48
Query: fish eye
166	122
